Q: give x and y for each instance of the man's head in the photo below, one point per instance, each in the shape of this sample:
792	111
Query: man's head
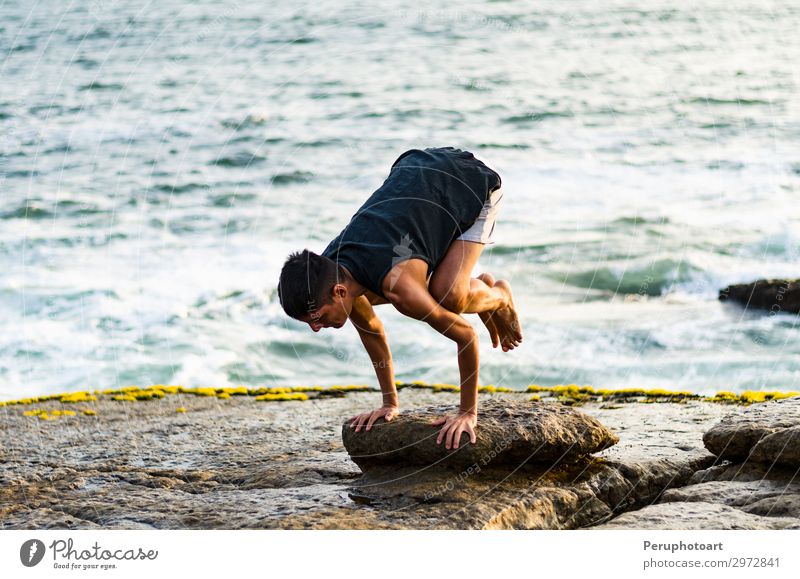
315	290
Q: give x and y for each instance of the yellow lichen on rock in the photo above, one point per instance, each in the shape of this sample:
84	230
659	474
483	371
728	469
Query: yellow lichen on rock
124	398
180	409
283	397
77	397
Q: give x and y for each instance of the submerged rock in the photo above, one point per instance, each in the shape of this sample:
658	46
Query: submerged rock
510	433
776	295
766	433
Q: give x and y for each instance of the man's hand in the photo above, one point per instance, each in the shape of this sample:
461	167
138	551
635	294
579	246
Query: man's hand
387	412
454	426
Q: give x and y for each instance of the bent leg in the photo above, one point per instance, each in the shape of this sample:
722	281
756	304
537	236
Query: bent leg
452	286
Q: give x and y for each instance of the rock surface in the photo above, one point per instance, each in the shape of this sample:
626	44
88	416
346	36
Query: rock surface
758	490
696	515
239	464
511	433
767	432
776	295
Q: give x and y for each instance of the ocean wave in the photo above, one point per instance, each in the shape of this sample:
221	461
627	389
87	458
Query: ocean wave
653	279
536	117
237	160
293	177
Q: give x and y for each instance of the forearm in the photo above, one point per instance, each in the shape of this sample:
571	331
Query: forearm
381	356
468	368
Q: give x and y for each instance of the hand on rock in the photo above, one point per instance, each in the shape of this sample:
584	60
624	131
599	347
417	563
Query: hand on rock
456	425
385	412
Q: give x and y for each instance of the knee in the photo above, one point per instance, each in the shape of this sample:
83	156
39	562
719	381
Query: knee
453	298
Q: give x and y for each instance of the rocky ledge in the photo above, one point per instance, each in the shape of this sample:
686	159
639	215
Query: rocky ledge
235	463
752	485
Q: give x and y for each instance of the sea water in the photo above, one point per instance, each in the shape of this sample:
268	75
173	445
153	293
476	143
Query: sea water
160	160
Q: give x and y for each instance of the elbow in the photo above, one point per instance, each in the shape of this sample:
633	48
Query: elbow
372	331
466	337
376	327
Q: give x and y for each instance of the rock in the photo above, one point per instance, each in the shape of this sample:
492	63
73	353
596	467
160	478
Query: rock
781	447
242	464
757	488
763	497
696	515
569	496
728	496
766	432
776	295
510	433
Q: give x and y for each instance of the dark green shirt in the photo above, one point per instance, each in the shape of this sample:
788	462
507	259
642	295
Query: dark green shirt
430	198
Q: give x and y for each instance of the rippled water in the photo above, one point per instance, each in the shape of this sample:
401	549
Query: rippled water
161	159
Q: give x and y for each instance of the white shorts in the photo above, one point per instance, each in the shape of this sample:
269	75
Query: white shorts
482	231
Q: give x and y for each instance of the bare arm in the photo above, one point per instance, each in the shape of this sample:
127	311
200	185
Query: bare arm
370	330
414	300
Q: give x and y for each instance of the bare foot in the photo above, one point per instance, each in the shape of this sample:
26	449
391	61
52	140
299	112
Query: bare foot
486	317
507	321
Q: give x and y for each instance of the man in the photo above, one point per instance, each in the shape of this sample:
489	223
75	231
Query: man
413	244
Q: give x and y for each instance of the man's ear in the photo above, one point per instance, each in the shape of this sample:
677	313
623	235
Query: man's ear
339	290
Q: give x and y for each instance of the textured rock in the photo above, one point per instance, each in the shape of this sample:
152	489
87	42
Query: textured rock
758	488
510	433
242	464
766	432
781	447
696	515
570	496
740	494
776	295
727	496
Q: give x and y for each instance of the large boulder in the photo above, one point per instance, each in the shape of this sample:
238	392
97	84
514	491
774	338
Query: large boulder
511	433
764	433
776	295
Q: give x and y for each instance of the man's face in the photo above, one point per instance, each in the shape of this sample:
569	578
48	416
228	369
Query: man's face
332	315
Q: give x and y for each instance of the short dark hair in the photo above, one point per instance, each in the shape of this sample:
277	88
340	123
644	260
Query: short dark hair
306	281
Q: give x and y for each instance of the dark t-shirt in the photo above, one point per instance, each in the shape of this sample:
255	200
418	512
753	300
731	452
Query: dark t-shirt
429	199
